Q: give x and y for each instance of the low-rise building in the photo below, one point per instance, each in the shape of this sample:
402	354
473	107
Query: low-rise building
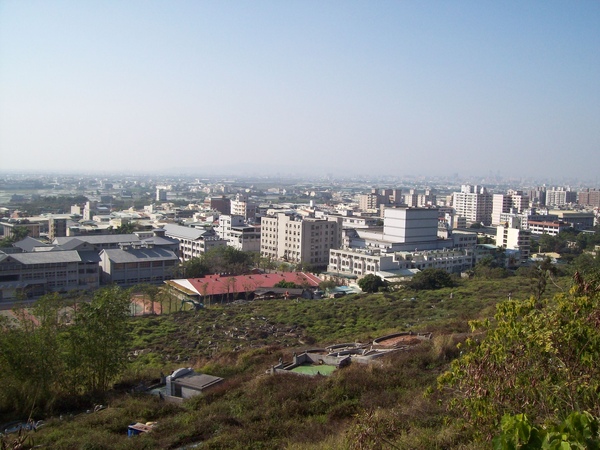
133	264
547	227
193	242
30	275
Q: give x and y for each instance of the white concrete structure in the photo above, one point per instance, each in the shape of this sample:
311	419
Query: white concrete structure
560	196
474	203
295	239
238	234
410	225
514	239
161	194
514	202
450	260
547	227
242	206
355	262
363	262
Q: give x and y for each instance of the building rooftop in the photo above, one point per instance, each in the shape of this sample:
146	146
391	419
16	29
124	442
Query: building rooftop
184	232
136	254
74	241
218	284
64	256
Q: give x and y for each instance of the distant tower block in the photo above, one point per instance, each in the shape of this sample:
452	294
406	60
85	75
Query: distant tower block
161	195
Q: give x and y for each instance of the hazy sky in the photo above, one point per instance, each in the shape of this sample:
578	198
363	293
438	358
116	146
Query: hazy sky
392	87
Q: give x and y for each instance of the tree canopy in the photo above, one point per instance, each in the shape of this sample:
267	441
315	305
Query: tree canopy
286	285
371	283
430	279
223	259
19	233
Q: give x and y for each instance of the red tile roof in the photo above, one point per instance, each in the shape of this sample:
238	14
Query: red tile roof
217	284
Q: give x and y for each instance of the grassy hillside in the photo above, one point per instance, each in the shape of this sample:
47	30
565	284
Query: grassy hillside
379	405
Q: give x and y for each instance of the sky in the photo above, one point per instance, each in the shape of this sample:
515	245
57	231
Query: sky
342	87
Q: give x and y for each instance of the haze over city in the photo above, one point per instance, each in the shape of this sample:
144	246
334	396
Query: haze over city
301	87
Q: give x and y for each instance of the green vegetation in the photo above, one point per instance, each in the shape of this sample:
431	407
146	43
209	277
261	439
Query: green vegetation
219	260
18	234
431	279
372	283
538	359
49	204
61	352
578	431
286	285
375	406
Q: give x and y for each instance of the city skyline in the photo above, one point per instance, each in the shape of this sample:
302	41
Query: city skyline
337	87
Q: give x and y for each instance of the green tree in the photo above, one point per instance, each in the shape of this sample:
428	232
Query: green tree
286	285
371	283
328	284
430	279
99	338
125	228
18	233
193	268
541	274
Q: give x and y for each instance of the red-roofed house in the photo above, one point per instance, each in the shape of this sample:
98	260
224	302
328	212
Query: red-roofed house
219	288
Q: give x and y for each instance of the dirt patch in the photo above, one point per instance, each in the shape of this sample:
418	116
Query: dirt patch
406	339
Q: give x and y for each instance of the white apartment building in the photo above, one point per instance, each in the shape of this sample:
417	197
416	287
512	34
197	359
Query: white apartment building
560	196
378	197
514	239
474	203
241	206
289	237
238	234
515	202
414	199
368	202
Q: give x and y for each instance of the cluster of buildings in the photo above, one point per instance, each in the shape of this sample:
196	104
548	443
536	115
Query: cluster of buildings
382	232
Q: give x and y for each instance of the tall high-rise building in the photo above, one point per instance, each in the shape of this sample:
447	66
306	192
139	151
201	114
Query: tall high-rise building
560	196
474	203
161	194
57	227
380	197
513	202
589	197
242	206
299	240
